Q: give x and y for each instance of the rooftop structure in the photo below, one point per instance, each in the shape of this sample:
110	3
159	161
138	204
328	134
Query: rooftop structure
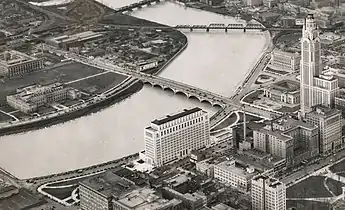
143	199
285	60
178	115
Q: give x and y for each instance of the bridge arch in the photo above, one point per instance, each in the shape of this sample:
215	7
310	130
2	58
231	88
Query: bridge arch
179	92
167	88
193	97
217	105
206	101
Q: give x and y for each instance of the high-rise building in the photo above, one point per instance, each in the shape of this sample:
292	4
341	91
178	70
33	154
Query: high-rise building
329	124
268	193
175	136
316	88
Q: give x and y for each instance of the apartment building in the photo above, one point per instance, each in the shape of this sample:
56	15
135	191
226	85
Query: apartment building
268	193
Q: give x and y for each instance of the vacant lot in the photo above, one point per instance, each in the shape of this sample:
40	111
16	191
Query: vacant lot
60	193
309	188
99	83
61	74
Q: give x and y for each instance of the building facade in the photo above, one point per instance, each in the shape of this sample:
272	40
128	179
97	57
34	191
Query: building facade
288	138
227	172
14	63
268	193
330	128
316	88
30	98
175	136
98	192
286	91
285	60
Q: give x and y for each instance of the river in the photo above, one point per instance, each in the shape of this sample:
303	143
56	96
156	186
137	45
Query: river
214	61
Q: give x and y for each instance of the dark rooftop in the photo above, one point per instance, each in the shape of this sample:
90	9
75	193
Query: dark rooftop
169	118
108	184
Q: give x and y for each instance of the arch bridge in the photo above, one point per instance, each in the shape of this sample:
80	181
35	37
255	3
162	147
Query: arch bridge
188	90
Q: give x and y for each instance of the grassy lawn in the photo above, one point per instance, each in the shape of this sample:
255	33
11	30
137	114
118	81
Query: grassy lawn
253	96
229	121
307	205
60	193
309	188
335	186
338	167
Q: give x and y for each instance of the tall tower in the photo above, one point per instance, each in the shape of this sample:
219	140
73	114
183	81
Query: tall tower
310	63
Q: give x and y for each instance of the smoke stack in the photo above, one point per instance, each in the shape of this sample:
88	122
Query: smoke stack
7	56
244	126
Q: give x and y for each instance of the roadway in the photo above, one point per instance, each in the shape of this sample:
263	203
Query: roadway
201	94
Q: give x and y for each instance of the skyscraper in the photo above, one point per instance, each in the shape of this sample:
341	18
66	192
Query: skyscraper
316	88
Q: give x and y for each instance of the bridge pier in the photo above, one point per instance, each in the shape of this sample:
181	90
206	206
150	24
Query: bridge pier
226	30
191	29
244	30
207	29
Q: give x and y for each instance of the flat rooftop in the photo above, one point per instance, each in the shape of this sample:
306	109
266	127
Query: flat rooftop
286	86
269	181
283	53
323	111
145	198
289	123
13	57
277	133
108	184
76	37
228	166
169	118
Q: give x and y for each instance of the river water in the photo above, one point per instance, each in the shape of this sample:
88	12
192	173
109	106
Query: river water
214	61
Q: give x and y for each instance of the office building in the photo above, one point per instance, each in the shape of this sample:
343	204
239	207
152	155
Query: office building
316	88
174	137
340	102
236	176
14	63
329	123
30	98
145	198
338	74
75	40
285	61
98	192
288	138
268	193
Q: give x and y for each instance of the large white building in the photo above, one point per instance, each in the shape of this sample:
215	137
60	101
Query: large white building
268	194
228	173
285	60
175	136
14	63
29	99
316	88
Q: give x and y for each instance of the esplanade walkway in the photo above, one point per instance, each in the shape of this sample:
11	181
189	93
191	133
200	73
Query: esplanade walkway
164	83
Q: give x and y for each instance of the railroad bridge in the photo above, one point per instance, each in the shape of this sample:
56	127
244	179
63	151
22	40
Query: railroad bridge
136	5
